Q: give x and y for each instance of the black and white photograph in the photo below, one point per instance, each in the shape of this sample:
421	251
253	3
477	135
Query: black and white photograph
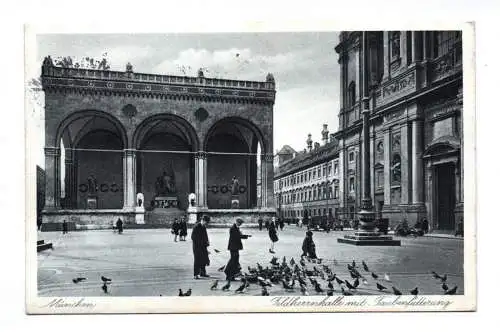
262	171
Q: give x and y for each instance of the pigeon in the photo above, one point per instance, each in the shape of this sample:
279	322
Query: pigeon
365	267
340	282
374	275
444	287
214	285
264	291
217	251
303	290
104	279
353	275
180	292
329	292
452	291
286	286
241	288
318	288
319	260
220	269
348	284
292	261
353	263
330	285
414	291
381	287
356	283
345	293
386	277
435	275
396	291
349	267
104	287
226	286
443	278
188	293
79	279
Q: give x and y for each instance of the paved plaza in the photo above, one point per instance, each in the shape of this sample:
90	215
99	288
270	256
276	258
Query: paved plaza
148	262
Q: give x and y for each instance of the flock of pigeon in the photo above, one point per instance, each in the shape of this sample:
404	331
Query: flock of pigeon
308	278
292	275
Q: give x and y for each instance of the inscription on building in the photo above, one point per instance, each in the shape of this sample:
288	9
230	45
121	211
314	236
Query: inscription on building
398	87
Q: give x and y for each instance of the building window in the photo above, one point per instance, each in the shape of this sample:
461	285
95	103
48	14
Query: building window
329	170
351	94
319	193
336	192
336	168
396	169
351	156
314	174
444	41
395	42
351	183
309	175
309	195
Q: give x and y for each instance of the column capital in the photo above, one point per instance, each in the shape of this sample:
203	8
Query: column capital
267	157
129	152
52	151
200	155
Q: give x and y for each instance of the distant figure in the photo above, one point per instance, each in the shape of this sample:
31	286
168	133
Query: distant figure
235	186
183	231
300	223
175	229
200	240
425	226
273	235
267	224
282	223
308	246
92	182
140	199
64	227
260	224
234	246
119	226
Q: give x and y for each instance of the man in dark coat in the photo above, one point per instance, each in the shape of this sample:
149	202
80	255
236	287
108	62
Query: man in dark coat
234	246
200	240
119	226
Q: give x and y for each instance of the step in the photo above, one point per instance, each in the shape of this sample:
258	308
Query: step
43	247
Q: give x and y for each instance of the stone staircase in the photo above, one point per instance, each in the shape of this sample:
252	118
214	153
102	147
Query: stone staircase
41	245
162	216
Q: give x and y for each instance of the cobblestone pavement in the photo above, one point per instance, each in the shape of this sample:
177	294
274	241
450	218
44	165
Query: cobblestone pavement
150	263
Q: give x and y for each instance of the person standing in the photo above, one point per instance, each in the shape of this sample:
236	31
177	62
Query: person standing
308	246
201	243
260	224
183	229
273	235
234	246
119	226
64	227
282	223
175	229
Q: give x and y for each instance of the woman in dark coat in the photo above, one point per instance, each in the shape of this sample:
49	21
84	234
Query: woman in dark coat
175	229
273	235
183	232
234	246
308	246
200	240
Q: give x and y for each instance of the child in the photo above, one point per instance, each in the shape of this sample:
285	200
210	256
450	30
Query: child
308	246
175	229
273	236
183	229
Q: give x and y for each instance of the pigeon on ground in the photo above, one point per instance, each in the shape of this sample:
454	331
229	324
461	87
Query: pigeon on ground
353	263
396	291
241	288
452	291
220	269
318	288
444	287
356	283
414	291
348	284
303	290
381	287
365	267
104	279
340	282
374	276
329	292
435	275
345	292
264	291
286	286
214	285
386	277
330	285
180	292
443	278
79	279
188	293
104	288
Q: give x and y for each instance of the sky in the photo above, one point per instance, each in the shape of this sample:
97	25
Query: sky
304	66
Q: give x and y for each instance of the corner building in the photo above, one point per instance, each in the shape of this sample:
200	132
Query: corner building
416	140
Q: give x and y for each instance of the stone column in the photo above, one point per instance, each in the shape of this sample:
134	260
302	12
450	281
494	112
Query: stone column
417	164
386	55
425	45
129	161
69	181
52	178
200	172
403	48
405	166
372	163
387	167
415	47
267	180
341	175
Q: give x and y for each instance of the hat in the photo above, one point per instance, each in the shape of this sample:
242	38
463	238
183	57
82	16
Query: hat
309	233
206	218
239	220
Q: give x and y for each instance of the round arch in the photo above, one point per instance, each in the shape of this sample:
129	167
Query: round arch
240	121
143	128
64	124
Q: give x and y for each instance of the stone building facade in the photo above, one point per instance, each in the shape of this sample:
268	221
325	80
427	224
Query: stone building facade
416	141
132	142
308	184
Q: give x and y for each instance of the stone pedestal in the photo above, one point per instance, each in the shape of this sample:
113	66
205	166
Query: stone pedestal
139	215
192	213
165	202
92	202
